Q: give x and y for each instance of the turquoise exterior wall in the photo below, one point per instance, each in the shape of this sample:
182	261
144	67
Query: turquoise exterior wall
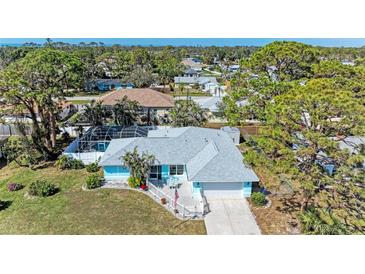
120	172
197	188
247	189
116	172
165	170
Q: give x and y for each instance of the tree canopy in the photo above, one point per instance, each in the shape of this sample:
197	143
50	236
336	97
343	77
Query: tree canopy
188	113
306	105
37	85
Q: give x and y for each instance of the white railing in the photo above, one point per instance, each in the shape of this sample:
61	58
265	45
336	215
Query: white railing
178	208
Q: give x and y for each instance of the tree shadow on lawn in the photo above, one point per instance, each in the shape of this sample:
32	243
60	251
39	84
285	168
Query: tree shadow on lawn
3	162
43	165
5	204
289	204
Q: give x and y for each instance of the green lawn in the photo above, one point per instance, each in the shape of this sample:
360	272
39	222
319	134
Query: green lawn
192	92
74	211
80	102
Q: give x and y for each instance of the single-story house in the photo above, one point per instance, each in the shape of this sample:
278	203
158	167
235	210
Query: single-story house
204	161
354	144
202	81
110	84
191	73
208	102
193	63
151	100
234	68
215	89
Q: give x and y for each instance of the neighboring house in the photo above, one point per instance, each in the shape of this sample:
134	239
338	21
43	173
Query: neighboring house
203	162
191	73
151	100
354	144
67	109
234	68
193	63
110	84
215	89
202	81
211	104
348	63
207	102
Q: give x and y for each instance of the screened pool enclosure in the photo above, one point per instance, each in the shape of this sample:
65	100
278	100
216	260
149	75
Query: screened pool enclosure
98	138
91	145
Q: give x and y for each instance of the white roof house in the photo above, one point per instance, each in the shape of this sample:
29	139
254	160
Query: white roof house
190	80
208	102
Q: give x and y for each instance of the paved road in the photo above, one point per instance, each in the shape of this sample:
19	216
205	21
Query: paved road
82	98
230	217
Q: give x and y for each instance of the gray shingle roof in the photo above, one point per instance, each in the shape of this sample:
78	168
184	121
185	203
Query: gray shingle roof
210	103
209	154
201	159
352	143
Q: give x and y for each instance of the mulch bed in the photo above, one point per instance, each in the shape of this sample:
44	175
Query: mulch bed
278	219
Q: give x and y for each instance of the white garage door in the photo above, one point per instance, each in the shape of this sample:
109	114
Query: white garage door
222	190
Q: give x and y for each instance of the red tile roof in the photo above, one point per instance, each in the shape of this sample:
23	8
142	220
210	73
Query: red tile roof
146	97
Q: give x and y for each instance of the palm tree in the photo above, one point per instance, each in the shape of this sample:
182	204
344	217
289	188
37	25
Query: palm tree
139	165
313	223
188	113
95	113
126	112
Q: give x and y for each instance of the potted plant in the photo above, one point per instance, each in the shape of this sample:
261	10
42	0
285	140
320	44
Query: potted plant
144	187
163	201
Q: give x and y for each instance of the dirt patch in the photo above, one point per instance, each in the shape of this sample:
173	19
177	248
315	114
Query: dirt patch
278	219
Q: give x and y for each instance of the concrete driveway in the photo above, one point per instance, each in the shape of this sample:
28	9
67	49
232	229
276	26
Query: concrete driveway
230	217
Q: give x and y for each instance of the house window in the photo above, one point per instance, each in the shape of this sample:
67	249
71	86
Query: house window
155	172
177	170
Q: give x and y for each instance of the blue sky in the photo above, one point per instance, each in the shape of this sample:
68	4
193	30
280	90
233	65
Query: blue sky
338	42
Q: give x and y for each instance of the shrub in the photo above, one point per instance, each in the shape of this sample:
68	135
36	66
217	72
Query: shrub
66	136
321	222
21	150
134	182
14	187
42	188
65	162
258	199
94	181
93	167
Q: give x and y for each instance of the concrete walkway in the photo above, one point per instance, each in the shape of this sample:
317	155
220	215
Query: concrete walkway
230	217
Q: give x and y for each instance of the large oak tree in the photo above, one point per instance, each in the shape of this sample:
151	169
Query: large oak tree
36	86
